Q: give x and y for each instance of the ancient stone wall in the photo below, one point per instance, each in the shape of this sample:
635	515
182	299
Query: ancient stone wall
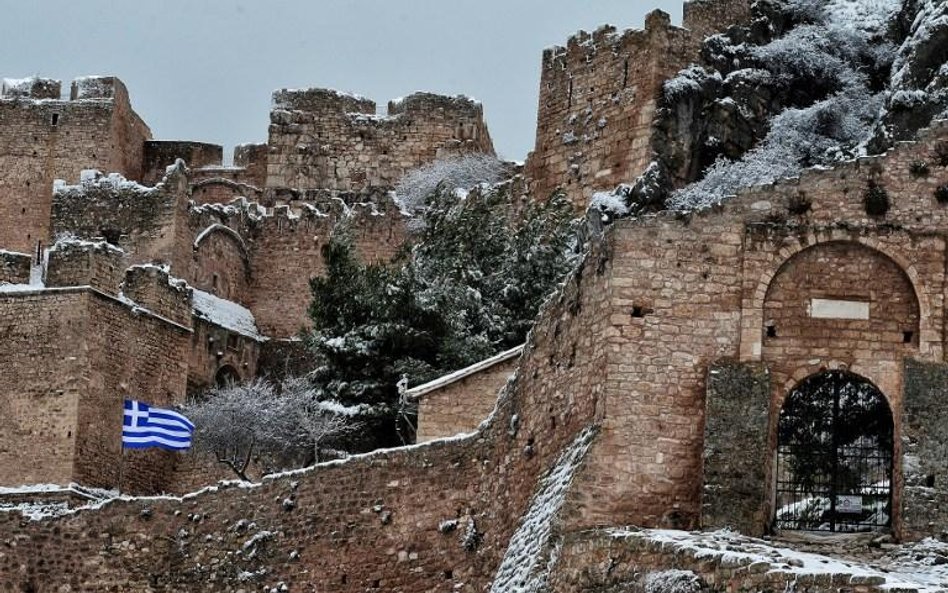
328	140
153	371
709	17
44	376
220	264
42	139
642	562
687	290
77	263
253	159
218	353
149	223
461	406
151	287
288	253
925	459
733	496
14	267
161	154
598	97
351	525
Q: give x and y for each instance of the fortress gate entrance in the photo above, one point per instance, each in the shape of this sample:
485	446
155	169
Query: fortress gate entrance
834	456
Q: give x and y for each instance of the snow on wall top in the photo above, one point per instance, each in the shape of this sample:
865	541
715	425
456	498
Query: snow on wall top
440	382
226	314
520	570
93	179
912	567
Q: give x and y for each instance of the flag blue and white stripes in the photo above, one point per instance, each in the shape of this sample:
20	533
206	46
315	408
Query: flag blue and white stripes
145	426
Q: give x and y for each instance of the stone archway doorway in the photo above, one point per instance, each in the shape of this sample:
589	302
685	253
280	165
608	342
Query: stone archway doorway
226	376
834	456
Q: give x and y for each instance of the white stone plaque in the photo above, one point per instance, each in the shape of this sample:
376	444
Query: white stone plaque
849	504
837	309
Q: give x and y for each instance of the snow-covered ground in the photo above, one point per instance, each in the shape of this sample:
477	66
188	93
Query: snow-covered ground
922	566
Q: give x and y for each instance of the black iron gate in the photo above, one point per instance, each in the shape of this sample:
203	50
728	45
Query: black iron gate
834	456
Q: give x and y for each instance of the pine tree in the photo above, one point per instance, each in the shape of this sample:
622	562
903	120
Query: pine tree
469	287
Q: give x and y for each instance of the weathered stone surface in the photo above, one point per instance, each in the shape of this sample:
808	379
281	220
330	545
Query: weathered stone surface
736	431
925	448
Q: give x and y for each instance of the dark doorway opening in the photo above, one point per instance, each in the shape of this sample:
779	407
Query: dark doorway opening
834	456
226	376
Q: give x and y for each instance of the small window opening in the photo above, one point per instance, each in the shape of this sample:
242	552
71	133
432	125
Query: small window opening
625	73
377	584
553	422
569	93
215	281
638	311
344	579
771	331
55	119
907	337
448	575
930	481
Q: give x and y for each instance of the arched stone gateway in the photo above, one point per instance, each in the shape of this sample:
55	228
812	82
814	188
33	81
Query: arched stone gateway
834	458
226	376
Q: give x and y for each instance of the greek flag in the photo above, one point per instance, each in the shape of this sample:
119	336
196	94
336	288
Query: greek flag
145	426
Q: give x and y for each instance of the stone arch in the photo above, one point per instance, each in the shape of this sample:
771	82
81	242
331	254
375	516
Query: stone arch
221	263
835	455
226	375
755	294
227	231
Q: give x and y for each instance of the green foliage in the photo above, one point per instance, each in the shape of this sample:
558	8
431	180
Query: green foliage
469	288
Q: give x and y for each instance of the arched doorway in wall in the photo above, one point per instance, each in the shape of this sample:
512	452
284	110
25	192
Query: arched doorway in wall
834	456
226	376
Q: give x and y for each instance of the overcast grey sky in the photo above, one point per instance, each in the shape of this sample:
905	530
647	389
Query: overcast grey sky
204	69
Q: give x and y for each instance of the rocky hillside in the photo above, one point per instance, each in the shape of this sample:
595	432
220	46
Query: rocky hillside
807	83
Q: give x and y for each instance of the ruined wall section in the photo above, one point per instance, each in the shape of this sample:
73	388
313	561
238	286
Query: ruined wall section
82	263
328	140
15	267
288	254
357	524
705	18
43	138
598	97
252	157
263	257
144	221
161	154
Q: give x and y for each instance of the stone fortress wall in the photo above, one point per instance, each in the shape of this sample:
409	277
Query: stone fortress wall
242	247
626	351
648	393
44	137
599	95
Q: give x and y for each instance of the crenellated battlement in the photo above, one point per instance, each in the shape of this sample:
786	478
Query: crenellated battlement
321	101
422	103
84	88
324	139
32	87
